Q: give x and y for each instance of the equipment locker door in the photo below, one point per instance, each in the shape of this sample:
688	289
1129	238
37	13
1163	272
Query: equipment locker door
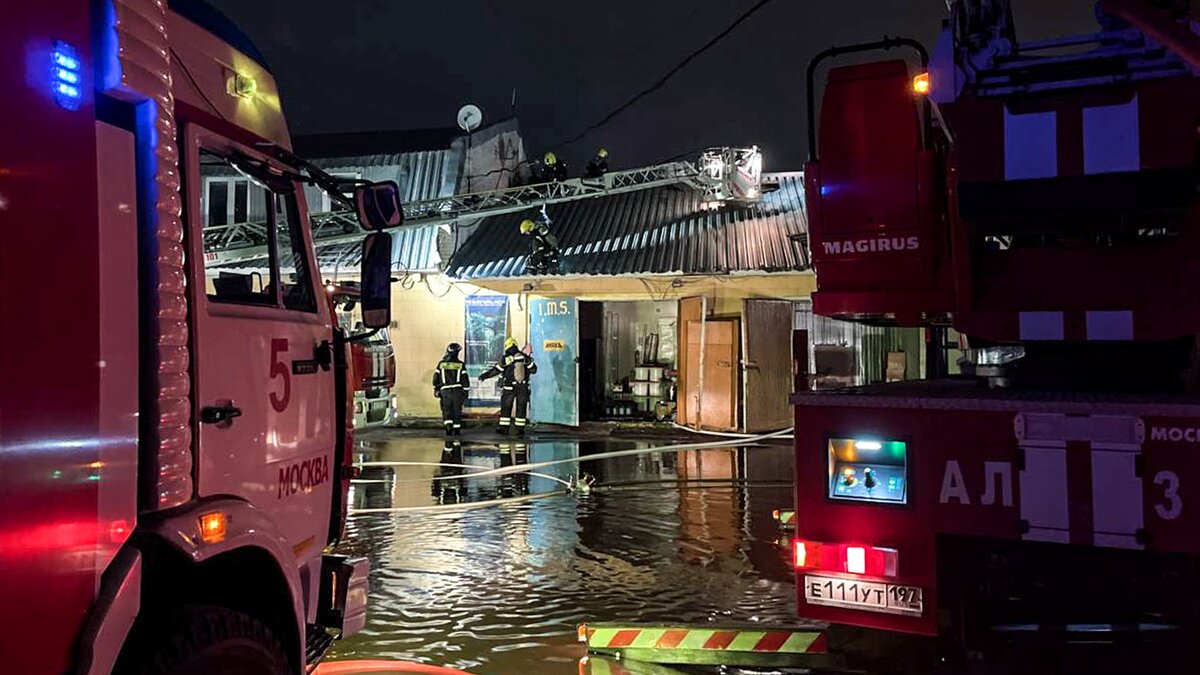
767	360
263	386
554	336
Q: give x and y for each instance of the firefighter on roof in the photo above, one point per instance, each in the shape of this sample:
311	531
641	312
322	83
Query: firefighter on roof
514	369
450	384
543	253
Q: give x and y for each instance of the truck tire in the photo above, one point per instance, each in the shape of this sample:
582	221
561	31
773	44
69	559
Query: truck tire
210	640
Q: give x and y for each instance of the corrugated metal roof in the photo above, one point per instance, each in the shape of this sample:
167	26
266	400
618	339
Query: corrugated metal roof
413	250
657	231
422	175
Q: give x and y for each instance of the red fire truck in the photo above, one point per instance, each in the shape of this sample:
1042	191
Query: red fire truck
1040	199
174	436
372	361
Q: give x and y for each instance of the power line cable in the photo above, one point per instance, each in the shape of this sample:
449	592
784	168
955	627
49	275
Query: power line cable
642	47
670	73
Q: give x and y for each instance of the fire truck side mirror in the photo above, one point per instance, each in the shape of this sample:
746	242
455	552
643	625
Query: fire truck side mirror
376	276
378	205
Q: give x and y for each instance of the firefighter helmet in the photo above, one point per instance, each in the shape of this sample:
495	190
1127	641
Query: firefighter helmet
453	348
510	342
550	158
602	153
528	226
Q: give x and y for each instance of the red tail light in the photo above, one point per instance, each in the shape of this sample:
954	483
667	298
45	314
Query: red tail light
872	561
801	554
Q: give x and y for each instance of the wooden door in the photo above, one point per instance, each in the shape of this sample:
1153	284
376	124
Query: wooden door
768	355
712	400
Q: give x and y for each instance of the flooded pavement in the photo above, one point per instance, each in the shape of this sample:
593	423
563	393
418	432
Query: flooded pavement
679	536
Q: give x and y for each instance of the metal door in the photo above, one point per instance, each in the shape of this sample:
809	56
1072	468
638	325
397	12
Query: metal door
767	350
554	337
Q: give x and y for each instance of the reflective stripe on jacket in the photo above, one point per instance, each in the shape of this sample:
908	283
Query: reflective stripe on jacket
450	374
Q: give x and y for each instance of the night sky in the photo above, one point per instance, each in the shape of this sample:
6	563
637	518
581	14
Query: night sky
362	65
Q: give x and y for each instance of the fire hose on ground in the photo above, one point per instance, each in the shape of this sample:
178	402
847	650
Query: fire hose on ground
531	468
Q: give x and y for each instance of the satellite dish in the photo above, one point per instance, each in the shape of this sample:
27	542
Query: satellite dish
469	117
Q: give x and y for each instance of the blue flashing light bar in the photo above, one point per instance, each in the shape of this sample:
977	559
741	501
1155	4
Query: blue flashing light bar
66	74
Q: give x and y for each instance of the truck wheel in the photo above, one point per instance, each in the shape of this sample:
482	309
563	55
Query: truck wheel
209	640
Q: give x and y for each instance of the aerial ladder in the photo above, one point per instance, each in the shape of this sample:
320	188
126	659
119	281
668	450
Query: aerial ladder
725	174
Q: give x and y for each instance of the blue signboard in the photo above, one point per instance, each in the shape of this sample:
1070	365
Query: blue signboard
553	335
486	328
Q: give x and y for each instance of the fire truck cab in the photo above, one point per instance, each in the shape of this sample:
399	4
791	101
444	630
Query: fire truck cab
174	451
1040	199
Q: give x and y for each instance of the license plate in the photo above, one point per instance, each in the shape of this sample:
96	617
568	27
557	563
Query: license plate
379	405
865	595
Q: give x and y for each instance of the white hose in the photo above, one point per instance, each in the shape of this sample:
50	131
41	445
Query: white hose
726	434
456	466
528	468
522	468
463	506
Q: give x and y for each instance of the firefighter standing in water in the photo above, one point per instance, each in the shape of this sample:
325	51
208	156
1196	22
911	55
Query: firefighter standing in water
514	369
450	384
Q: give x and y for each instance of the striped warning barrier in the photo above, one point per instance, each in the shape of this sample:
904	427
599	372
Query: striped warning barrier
707	645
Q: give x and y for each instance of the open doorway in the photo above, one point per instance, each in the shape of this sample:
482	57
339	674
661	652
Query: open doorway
636	360
591	362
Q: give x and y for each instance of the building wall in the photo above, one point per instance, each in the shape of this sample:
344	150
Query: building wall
862	348
725	293
493	155
428	313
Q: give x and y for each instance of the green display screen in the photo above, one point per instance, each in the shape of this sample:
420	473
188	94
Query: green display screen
868	470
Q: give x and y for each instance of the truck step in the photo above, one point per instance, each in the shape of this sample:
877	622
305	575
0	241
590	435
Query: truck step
317	643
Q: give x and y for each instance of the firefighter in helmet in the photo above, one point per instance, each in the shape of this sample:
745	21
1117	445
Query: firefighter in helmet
553	169
543	251
514	369
598	166
450	385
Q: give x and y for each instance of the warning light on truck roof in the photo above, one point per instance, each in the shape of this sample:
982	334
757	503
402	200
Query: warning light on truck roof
921	84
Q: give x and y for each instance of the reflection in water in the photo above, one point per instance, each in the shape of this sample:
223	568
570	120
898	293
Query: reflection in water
501	589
